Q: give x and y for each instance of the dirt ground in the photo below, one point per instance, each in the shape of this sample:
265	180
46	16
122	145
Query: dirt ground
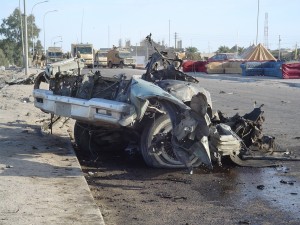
128	192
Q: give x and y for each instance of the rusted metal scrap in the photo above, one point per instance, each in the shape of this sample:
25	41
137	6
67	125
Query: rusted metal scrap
251	147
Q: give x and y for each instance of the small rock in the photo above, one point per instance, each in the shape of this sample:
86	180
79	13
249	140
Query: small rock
9	166
287	182
285	102
244	222
90	173
260	187
294	193
25	100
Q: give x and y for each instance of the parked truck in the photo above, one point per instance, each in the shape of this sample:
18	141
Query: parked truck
85	52
100	58
54	54
120	58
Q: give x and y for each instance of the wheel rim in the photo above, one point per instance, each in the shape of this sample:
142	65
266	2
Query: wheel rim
165	153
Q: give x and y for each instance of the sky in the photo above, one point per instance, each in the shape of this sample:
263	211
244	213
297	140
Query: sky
204	24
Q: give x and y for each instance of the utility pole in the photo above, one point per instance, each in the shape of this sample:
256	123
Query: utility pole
136	51
296	51
175	40
81	26
108	43
44	28
32	39
169	34
237	45
26	40
22	35
279	48
257	21
266	28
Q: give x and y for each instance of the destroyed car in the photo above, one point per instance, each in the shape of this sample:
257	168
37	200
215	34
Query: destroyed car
164	114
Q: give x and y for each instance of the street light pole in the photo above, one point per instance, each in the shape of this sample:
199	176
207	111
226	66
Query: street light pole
44	28
32	24
26	40
22	35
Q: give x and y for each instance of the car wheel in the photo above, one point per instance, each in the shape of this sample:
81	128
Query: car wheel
156	146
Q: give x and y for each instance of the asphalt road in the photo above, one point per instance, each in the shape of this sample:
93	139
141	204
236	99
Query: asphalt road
128	192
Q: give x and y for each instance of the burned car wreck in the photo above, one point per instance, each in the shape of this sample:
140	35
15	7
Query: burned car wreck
164	114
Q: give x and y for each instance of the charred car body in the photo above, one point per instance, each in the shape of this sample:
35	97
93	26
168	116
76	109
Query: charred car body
164	114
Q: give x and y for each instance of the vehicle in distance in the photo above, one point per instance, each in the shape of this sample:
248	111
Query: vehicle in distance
85	52
100	58
54	54
120	58
224	57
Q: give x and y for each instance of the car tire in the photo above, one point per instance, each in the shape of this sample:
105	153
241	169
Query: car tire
162	157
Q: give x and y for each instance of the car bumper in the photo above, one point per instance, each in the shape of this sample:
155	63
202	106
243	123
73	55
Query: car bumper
92	110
